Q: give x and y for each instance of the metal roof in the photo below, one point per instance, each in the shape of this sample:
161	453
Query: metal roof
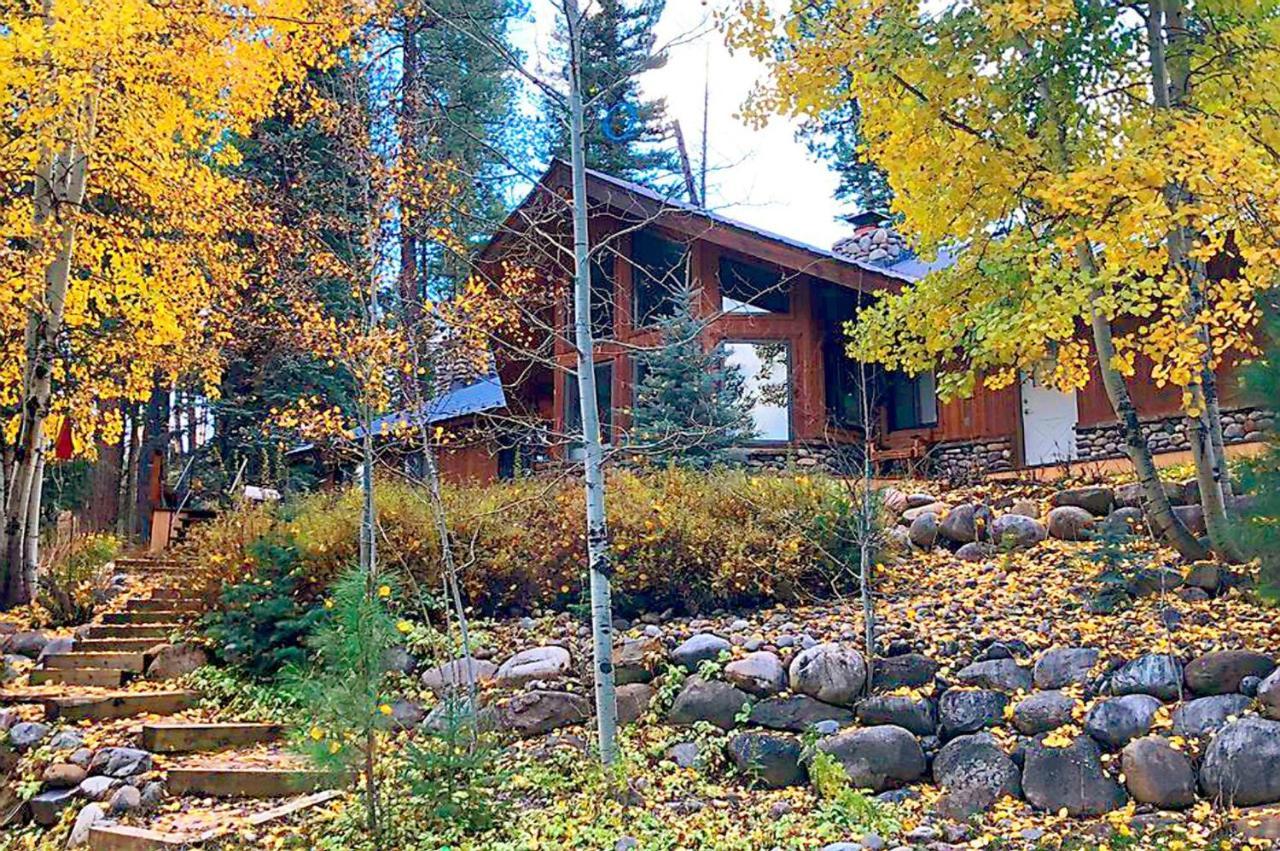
485	394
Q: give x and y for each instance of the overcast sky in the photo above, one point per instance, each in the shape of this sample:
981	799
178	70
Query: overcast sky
764	177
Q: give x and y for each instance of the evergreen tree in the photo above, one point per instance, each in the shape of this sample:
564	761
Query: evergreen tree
1260	527
835	135
617	45
690	407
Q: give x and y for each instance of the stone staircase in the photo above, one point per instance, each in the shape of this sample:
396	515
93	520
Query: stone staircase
102	677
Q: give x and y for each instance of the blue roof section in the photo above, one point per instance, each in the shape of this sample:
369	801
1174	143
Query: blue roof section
914	268
477	397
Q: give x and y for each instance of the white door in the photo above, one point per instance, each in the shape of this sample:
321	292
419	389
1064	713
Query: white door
1049	419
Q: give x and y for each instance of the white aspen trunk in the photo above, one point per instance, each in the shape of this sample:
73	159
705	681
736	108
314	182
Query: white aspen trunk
593	460
31	548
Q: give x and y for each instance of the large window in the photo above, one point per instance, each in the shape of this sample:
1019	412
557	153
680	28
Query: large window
750	288
912	401
658	274
766	373
604	404
602	295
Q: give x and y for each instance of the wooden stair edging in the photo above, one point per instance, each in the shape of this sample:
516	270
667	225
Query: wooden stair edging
90	677
128	838
158	631
120	704
181	605
177	737
115	645
151	618
134	663
229	781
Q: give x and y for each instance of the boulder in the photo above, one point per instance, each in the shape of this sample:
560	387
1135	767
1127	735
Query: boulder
634	658
66	740
938	508
47	806
771	759
120	762
830	672
1131	495
708	700
1221	672
1064	666
532	713
1156	674
398	660
25	735
1123	521
153	794
170	661
1025	508
1150	581
797	713
975	551
685	754
453	715
28	644
1017	531
98	788
536	663
969	710
1207	577
894	501
406	715
1042	712
90	815
877	758
1118	720
1069	778
974	772
1069	523
923	532
55	646
909	670
919	500
760	673
697	649
1095	499
1203	716
1157	774
1239	767
633	701
966	523
915	714
1192	516
451	675
1269	696
125	800
996	674
63	775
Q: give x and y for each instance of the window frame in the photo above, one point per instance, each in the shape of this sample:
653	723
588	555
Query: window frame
788	348
898	378
640	274
572	413
785	287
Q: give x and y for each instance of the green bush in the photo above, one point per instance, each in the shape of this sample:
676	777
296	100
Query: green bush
681	539
263	621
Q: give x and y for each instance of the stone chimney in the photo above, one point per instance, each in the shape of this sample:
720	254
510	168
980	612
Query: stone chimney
873	241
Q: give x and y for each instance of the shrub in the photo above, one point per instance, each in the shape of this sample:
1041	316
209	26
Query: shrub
681	539
66	590
263	620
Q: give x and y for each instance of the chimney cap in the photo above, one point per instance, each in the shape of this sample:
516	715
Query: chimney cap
866	218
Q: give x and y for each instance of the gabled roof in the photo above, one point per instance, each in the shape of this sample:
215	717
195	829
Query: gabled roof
635	201
483	394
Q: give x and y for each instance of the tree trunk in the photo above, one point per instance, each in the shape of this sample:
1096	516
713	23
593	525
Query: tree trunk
593	460
127	513
31	544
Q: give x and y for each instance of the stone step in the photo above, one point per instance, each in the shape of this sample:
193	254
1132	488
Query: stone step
164	616
110	837
133	662
93	677
194	738
120	704
157	631
116	645
170	604
228	781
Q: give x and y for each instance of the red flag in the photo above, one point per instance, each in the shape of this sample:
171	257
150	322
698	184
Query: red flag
63	447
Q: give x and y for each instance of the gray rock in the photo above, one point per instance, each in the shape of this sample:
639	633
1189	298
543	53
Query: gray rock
1117	720
633	701
1026	508
1095	499
98	788
1192	516
1205	715
685	754
829	672
910	670
532	713
771	759
1239	767
634	659
966	523
55	646
1269	696
1070	779
1149	582
1069	523
697	649
1206	577
919	500
66	740
1156	674
974	772
923	532
975	551
760	673
28	644
798	713
81	757
1065	666
969	710
399	660
90	815
877	758
126	799
708	700
47	806
171	661
1042	712
1221	672
25	735
1017	531
937	508
120	762
153	794
996	674
453	674
1123	521
915	714
406	715
536	663
1157	774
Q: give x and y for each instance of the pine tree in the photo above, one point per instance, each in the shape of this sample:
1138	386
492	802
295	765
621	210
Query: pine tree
617	44
690	408
835	135
1260	526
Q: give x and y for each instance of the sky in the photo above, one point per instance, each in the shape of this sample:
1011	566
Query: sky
763	177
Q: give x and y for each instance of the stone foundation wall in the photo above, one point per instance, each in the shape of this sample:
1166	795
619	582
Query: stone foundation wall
821	457
972	458
1169	434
